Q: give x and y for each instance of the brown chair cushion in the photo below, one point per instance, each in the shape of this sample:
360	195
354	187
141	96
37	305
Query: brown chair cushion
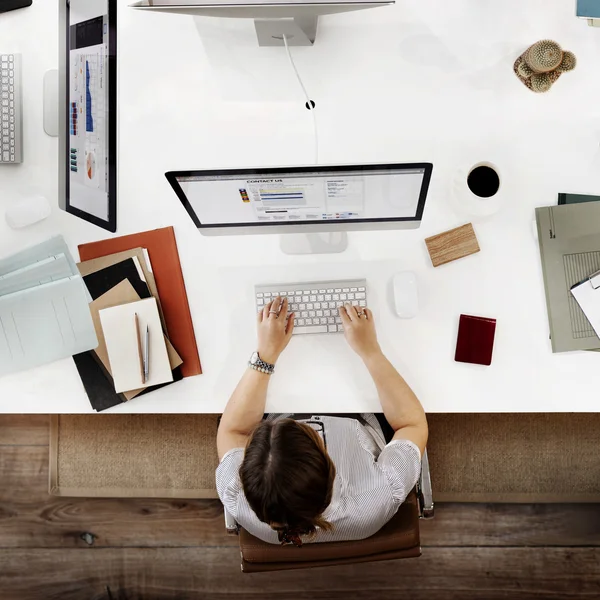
399	534
248	567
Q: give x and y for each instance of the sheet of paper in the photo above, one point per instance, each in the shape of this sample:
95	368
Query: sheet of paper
38	273
44	324
123	293
587	295
120	334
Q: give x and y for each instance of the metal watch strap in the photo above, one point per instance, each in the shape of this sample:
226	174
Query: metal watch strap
262	366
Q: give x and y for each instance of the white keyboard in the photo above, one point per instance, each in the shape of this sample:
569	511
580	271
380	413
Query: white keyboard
315	303
11	124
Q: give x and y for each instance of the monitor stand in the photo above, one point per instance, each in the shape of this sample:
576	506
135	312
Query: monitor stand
314	243
51	101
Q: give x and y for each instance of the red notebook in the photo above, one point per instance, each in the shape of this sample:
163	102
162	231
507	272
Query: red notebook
162	249
475	343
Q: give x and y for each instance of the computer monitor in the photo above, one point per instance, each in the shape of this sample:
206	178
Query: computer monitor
306	200
87	104
297	19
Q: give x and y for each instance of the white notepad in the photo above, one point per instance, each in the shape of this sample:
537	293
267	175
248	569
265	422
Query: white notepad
587	294
120	334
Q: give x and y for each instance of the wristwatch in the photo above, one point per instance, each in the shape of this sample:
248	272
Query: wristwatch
258	364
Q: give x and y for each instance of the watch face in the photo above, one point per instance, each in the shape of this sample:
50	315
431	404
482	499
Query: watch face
254	358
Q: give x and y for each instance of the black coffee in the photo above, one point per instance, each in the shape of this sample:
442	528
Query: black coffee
483	181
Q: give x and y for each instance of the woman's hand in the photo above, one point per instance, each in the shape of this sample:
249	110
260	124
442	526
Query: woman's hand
275	328
359	329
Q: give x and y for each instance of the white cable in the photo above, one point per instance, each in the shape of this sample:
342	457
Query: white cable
308	100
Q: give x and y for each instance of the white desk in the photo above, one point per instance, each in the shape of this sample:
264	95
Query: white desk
424	80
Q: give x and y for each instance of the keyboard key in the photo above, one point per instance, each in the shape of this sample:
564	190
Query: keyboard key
303	314
354	289
361	296
259	295
317	305
323	321
350	296
309	321
318	329
321	291
314	291
305	298
330	321
313	298
319	313
320	297
338	290
338	320
300	322
327	313
332	328
312	313
310	306
328	297
343	296
345	290
361	289
329	291
297	299
332	305
362	303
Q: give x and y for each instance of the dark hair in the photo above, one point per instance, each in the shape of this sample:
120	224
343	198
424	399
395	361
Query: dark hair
288	477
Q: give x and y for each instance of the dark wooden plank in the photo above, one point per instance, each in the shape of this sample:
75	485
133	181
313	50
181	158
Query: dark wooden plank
101	522
449	573
24	430
512	525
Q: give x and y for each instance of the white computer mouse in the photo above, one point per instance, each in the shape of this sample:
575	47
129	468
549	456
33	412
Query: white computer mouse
27	211
406	298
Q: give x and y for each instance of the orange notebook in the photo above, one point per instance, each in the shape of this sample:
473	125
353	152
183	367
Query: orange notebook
164	257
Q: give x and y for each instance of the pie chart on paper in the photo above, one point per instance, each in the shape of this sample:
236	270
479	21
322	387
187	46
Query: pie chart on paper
90	165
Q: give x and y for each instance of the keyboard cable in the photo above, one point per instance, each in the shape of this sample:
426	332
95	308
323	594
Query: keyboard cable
309	103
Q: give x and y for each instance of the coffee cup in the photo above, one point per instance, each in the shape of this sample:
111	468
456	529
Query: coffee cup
478	189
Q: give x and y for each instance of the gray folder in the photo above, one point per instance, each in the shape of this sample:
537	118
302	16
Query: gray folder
569	238
44	308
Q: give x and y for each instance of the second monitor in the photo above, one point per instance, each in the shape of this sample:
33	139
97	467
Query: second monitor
322	203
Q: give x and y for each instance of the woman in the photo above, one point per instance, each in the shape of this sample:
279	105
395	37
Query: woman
317	478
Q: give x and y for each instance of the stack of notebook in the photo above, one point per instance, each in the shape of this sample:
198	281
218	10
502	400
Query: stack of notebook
141	317
44	313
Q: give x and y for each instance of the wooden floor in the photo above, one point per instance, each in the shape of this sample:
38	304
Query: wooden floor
77	549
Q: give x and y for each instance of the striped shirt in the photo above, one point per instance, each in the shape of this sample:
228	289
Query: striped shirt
372	480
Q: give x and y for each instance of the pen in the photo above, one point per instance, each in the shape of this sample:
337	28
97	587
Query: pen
140	355
147	355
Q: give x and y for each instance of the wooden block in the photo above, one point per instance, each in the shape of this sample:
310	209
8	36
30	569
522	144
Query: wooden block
451	245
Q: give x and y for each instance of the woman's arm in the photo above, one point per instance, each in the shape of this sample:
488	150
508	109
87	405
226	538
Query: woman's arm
401	407
246	406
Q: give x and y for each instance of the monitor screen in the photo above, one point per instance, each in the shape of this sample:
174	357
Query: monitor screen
304	196
90	80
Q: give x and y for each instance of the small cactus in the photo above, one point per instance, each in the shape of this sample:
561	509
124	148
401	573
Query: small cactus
542	64
544	56
525	70
569	62
541	82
